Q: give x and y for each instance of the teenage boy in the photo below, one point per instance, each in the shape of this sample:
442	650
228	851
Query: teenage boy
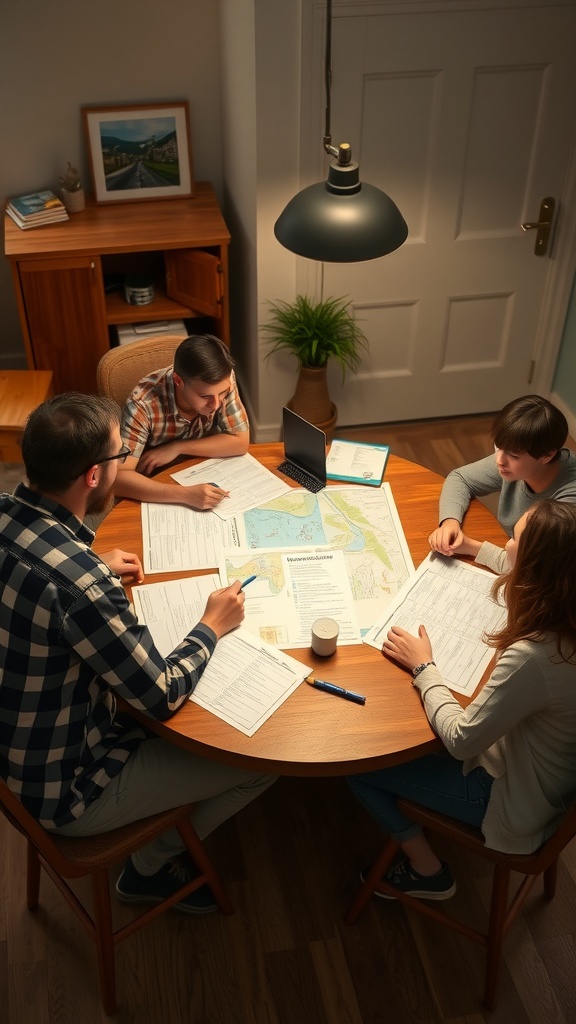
71	645
191	408
529	463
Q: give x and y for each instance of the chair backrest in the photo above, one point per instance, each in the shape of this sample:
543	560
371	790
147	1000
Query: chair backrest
120	369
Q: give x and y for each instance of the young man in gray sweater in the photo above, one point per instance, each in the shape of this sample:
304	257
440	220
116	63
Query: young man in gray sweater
529	463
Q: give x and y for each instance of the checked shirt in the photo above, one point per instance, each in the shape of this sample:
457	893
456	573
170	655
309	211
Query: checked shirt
68	644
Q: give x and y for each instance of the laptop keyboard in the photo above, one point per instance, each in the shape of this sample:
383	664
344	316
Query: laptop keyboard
301	477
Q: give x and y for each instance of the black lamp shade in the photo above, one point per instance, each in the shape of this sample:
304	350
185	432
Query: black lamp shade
341	220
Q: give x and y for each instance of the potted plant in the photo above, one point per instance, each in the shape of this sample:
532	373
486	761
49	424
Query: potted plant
315	332
72	191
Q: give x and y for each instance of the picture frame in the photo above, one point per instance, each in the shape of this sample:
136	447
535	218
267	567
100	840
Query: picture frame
139	151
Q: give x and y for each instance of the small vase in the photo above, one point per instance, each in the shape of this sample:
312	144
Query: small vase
311	399
74	201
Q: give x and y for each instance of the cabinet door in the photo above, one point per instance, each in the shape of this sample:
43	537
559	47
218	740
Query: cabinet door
66	321
196	279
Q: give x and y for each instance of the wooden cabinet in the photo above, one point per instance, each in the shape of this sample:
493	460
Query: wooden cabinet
69	276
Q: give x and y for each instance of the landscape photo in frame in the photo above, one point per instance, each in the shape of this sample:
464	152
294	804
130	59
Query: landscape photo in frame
139	152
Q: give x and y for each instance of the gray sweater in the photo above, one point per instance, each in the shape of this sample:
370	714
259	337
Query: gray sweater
482	477
522	729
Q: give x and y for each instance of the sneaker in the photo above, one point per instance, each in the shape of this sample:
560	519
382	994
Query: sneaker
132	887
404	878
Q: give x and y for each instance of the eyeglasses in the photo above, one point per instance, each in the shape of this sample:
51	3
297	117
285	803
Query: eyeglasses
122	456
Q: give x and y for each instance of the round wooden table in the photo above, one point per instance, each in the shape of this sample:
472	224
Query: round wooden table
315	733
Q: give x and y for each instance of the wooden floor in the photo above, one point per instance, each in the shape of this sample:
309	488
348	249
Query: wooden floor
291	863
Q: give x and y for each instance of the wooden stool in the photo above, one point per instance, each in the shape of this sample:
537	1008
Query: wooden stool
21	391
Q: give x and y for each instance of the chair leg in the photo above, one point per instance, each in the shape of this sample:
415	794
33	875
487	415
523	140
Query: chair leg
200	858
496	930
105	947
550	877
32	877
378	869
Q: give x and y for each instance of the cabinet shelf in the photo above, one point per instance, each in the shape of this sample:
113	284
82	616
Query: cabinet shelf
60	272
118	311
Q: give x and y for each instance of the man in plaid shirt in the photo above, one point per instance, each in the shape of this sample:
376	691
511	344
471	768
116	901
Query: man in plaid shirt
70	644
192	408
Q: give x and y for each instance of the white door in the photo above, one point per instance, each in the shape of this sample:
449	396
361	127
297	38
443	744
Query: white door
466	119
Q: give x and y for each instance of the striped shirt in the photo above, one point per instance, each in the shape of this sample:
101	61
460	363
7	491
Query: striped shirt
68	643
151	417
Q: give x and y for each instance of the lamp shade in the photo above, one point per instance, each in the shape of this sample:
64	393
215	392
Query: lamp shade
341	220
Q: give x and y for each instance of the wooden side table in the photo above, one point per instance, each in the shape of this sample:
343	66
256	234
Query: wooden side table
20	392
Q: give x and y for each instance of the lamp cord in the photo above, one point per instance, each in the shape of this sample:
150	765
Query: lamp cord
328	78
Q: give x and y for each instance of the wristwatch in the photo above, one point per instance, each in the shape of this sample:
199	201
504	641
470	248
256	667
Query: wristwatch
420	668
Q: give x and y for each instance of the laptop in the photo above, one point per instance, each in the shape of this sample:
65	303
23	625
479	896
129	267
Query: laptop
304	452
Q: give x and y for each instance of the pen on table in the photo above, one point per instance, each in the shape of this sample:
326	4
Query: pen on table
246	582
338	691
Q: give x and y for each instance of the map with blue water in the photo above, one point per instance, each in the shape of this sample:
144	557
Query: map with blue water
362	522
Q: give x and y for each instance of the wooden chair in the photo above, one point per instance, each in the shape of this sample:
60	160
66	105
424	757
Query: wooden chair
543	861
64	857
120	369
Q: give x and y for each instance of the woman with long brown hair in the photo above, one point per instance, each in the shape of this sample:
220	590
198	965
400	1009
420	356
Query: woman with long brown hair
509	764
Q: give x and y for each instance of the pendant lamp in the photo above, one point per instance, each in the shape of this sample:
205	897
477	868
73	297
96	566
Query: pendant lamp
342	219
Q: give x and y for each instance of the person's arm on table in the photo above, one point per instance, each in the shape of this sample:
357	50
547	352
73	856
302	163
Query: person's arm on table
460	486
120	651
514	691
132	484
212	446
126	564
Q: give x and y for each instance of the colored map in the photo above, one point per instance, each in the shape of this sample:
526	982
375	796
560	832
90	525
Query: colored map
362	522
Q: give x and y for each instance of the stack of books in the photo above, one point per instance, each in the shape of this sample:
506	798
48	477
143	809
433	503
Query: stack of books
36	209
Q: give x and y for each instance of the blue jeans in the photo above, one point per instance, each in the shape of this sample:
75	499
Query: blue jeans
435	781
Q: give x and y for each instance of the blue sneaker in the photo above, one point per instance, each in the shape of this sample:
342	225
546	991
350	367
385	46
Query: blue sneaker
132	887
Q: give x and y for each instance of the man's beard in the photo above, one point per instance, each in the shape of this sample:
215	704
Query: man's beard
100	501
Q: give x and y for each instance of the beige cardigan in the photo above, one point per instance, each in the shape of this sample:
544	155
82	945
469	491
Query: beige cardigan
522	729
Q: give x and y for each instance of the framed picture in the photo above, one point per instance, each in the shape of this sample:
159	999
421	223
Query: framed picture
139	152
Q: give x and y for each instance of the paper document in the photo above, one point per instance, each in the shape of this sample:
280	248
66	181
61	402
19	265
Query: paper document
357	462
245	679
291	589
171	610
361	521
452	600
249	482
179	539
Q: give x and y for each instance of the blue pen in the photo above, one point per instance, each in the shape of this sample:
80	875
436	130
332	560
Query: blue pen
246	582
338	691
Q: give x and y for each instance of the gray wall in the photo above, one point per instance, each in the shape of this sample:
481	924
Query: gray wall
58	56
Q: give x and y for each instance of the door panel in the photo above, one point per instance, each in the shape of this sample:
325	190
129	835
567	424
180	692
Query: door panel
466	119
66	318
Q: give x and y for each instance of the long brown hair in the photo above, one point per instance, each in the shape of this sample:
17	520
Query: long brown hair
540	591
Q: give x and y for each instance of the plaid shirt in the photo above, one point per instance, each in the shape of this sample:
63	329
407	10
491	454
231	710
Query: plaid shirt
68	643
150	416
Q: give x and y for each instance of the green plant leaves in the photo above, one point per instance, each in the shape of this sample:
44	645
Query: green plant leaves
316	331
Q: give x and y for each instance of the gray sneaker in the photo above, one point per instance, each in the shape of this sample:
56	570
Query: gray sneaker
404	878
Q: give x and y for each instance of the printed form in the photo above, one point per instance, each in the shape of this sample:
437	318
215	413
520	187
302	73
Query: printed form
246	679
249	483
179	539
452	600
291	589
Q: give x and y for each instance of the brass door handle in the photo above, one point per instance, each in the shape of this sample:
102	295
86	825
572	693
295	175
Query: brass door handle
543	225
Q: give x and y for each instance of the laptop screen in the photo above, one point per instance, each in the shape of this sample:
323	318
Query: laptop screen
304	445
